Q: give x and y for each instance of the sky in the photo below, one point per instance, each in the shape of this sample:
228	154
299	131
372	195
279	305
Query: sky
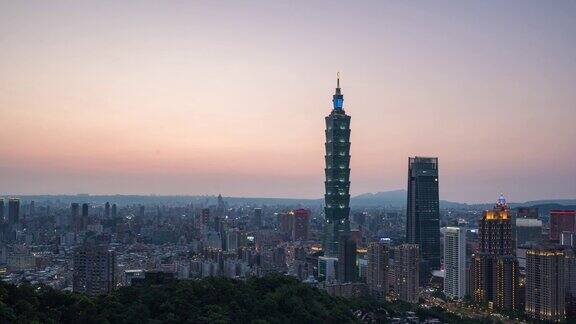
208	97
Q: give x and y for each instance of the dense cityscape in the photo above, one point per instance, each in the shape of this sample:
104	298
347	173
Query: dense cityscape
504	263
279	162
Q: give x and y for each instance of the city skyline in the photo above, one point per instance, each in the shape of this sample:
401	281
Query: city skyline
202	99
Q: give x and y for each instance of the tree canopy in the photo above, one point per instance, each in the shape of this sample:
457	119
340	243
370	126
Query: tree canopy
271	299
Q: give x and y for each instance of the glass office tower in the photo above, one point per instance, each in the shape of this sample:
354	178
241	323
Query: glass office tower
423	212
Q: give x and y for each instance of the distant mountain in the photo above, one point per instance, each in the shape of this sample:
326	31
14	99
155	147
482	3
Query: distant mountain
397	198
393	198
550	201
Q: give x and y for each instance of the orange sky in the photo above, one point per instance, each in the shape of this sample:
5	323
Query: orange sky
194	98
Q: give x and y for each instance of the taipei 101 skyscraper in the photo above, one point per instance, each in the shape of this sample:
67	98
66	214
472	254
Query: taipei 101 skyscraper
337	171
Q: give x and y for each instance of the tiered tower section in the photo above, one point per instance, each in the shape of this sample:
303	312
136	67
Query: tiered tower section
337	171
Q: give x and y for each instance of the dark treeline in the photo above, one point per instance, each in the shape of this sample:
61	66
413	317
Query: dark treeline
272	299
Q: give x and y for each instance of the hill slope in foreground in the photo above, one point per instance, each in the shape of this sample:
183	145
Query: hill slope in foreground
272	299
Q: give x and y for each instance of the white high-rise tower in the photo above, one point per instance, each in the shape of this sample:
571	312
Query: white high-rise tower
455	262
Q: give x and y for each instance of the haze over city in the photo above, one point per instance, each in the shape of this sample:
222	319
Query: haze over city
140	97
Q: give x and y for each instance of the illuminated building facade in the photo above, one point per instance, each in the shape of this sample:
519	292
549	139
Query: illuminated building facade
495	268
545	284
337	172
377	268
406	268
423	212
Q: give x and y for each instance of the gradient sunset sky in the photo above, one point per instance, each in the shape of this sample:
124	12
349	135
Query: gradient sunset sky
208	97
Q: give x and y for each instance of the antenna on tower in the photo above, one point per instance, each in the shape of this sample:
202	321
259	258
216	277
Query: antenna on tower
338	79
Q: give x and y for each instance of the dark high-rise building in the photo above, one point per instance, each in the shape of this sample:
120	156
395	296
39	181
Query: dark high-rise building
423	212
94	269
31	209
114	211
561	221
528	230
301	221
347	269
495	267
221	207
1	209
286	223
84	218
258	218
13	210
337	172
406	268
85	208
107	210
75	214
377	268
545	284
205	216
570	277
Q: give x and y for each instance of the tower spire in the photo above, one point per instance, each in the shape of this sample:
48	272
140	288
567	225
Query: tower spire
338	98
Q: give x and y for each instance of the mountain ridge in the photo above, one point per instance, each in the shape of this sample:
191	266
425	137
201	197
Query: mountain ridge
391	198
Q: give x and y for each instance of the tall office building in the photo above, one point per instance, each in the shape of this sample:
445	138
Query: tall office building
347	268
84	217
258	218
32	209
1	209
377	268
545	284
455	262
495	230
107	210
570	278
406	270
495	267
287	223
13	210
75	215
94	269
528	230
301	223
337	172
423	212
220	207
205	217
561	221
114	211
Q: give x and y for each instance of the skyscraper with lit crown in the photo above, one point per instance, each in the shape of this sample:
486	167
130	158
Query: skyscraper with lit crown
495	267
337	171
